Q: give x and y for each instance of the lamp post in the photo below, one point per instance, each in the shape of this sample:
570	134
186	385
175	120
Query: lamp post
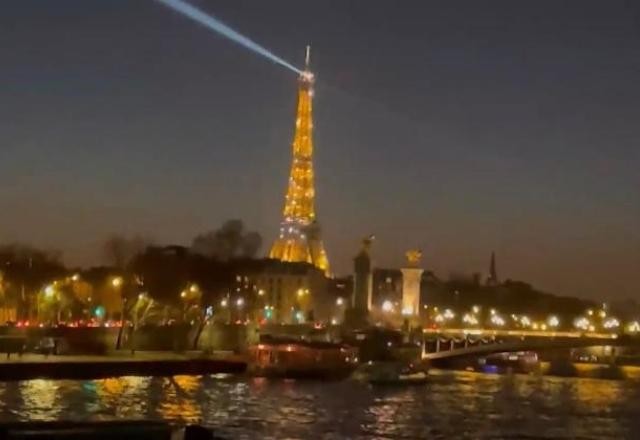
116	283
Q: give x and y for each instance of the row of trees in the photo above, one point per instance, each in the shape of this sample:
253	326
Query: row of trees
152	280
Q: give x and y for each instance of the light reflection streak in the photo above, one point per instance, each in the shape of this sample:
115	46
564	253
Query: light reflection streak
40	399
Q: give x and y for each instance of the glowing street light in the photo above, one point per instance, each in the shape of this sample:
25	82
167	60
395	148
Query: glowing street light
194	288
497	320
475	309
224	303
387	306
339	301
261	292
49	291
633	327
582	323
75	277
553	321
407	311
240	302
469	319
116	282
611	323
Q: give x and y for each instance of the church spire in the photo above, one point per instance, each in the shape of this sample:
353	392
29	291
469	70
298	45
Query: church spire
299	238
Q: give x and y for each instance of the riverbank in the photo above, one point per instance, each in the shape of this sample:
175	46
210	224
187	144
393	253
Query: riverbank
32	366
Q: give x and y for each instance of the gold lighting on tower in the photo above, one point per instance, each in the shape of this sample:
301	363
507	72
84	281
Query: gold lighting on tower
300	237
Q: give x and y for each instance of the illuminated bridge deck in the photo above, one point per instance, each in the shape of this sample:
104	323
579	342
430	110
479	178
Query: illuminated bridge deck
518	333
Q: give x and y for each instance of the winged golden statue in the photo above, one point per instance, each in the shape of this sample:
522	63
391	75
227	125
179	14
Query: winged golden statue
414	256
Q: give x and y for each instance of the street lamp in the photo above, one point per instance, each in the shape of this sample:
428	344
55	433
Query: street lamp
497	320
470	319
339	301
49	291
116	282
611	323
581	323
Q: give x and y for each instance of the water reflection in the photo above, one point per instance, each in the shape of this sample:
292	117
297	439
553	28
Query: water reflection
453	405
179	402
40	400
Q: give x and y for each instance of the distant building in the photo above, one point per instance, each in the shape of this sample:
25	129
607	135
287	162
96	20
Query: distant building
281	292
387	286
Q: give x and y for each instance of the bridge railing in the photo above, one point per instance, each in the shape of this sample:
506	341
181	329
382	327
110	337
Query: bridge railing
520	333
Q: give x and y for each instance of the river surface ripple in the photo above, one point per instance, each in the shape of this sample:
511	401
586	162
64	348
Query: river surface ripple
452	405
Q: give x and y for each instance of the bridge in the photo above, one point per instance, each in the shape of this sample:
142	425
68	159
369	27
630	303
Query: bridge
500	341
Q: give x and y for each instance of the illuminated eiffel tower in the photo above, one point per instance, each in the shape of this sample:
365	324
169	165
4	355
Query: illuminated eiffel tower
300	237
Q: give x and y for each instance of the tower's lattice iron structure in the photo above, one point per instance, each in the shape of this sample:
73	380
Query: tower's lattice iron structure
300	238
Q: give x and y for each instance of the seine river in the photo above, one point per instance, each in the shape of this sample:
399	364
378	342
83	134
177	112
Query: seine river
453	405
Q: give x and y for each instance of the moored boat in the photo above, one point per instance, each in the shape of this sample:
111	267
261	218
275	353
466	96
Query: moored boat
302	359
517	362
392	373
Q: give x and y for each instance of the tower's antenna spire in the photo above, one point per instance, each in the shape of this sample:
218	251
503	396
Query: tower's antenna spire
307	58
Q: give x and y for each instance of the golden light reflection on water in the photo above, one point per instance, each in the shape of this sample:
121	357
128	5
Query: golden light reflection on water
179	399
450	405
110	388
592	393
40	399
123	397
188	383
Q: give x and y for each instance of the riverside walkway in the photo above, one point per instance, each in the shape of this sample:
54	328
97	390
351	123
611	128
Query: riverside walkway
143	363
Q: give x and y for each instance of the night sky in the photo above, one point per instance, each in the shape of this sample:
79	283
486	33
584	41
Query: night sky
454	127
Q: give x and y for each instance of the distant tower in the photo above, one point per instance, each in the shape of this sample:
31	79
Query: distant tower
493	273
411	277
300	236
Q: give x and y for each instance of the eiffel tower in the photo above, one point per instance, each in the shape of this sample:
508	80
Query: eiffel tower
300	238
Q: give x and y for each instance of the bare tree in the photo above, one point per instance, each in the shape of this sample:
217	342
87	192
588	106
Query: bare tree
119	250
230	241
251	244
